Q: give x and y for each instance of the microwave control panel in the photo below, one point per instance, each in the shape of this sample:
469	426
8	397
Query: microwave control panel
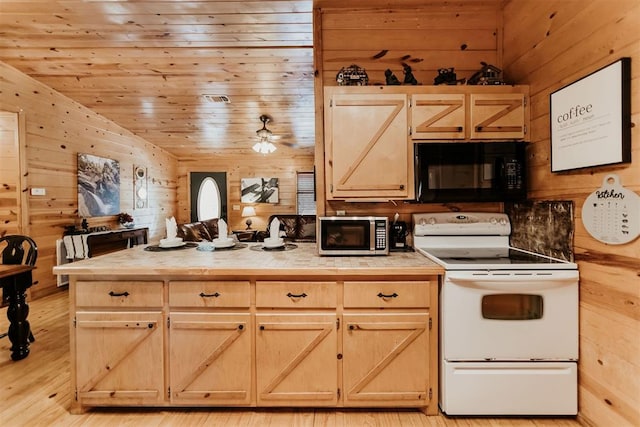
381	235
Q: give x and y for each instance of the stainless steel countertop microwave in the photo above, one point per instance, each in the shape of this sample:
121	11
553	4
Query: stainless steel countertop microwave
353	235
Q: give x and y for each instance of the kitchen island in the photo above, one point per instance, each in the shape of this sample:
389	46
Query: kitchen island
252	328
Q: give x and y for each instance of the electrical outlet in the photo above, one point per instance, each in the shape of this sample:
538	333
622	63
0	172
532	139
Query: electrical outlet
236	207
38	191
341	213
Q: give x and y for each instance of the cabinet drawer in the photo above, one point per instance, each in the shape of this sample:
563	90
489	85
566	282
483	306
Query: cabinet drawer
386	294
296	294
122	294
209	294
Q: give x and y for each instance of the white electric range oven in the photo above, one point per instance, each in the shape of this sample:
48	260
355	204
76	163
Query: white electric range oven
509	319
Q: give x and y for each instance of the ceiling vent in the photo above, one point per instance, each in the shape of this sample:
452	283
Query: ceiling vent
218	99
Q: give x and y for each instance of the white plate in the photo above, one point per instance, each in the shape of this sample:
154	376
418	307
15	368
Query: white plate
224	244
272	245
175	245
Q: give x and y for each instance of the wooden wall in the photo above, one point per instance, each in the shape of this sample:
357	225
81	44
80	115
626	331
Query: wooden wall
281	164
548	45
426	37
56	129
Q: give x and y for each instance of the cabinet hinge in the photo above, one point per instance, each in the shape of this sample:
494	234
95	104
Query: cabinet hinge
524	101
168	322
168	392
338	394
75	394
410	131
525	129
430	323
337	324
331	102
430	393
74	324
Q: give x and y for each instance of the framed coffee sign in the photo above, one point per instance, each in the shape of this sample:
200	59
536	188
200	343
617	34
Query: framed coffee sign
591	119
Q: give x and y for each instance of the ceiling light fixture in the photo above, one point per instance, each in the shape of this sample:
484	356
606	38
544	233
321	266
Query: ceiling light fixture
264	146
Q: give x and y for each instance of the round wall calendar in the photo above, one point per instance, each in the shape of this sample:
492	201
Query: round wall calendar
611	214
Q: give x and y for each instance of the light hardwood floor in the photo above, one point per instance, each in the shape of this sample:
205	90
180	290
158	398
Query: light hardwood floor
35	392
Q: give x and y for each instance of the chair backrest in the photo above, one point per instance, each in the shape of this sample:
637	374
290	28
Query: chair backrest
19	250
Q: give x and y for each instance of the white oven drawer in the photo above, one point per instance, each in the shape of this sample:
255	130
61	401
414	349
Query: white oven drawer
516	388
510	315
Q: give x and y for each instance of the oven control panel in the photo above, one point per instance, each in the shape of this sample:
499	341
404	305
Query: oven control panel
461	223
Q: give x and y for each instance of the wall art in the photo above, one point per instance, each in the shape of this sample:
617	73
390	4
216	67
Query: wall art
590	119
259	190
98	186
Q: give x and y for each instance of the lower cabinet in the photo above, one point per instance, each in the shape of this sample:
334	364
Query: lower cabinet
210	358
119	358
386	359
360	343
296	359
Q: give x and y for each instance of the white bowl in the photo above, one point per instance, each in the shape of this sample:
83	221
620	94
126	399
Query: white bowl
273	243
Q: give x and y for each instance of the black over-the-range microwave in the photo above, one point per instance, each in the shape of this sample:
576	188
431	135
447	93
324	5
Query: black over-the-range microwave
492	171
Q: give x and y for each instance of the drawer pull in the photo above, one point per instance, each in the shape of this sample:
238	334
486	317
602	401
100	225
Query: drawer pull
302	295
203	295
121	294
262	327
387	297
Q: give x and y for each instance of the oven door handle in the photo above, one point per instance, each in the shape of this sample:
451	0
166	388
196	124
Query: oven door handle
515	281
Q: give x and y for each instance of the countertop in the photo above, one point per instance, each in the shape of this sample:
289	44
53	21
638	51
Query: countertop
301	261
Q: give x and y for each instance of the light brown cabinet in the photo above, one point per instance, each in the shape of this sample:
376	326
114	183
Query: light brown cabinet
386	359
296	362
497	116
118	341
366	146
359	342
210	358
387	343
438	116
122	358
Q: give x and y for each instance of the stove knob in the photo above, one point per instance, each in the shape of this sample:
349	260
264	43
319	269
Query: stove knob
432	221
503	221
493	221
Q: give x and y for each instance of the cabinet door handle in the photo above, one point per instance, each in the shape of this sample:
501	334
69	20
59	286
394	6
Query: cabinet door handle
240	327
203	295
302	295
119	294
387	297
459	128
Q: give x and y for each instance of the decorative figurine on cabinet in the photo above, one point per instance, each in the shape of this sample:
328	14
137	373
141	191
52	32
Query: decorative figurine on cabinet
408	75
392	80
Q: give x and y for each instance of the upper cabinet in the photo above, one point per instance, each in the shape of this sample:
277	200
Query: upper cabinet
366	145
498	116
438	116
469	113
370	130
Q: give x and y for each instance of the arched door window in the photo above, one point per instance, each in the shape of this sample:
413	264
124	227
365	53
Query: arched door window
209	205
208	195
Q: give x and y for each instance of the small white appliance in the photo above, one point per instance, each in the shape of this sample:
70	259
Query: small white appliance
509	319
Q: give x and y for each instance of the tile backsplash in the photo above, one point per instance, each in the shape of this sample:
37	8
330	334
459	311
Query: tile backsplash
544	227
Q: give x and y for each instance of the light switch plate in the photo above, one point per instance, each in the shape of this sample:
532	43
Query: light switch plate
38	191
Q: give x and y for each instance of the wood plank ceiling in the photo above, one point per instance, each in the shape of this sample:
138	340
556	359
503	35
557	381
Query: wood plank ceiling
148	65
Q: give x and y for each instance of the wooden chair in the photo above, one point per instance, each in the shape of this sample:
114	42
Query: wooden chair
18	250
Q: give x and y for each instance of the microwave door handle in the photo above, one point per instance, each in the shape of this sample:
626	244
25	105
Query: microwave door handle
372	236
